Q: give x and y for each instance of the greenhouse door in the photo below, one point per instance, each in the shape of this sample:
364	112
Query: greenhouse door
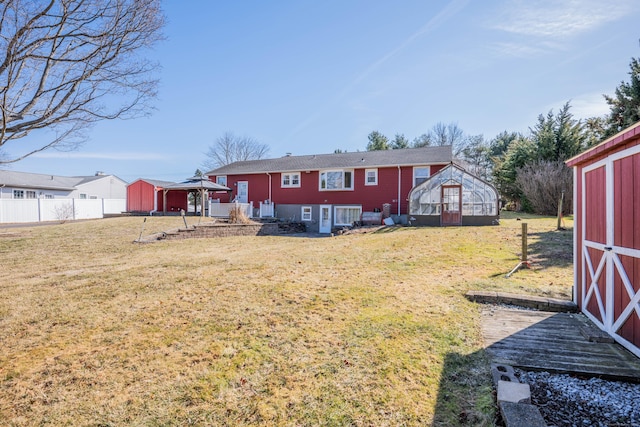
451	214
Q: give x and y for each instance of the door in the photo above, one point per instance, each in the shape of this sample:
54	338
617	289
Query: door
325	218
243	191
451	212
609	292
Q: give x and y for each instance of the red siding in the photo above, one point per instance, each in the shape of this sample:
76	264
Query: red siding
625	220
176	200
369	196
140	196
595	206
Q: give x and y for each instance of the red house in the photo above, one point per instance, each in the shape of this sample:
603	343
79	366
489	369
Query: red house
332	190
607	235
146	196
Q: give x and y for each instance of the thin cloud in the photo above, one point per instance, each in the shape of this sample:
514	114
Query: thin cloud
583	106
452	8
552	19
102	156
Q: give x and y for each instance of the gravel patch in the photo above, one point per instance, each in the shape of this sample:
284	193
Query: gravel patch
565	400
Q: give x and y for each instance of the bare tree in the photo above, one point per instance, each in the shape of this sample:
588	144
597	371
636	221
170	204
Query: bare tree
543	183
230	148
66	64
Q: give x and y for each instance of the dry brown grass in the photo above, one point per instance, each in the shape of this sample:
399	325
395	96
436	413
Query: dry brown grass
362	329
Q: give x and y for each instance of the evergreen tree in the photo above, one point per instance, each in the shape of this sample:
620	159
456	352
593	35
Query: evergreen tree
625	106
377	141
558	137
399	141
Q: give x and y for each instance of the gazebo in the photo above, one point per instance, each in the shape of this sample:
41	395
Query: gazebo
197	184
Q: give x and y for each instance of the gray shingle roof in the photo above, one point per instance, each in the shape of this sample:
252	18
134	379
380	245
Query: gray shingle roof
156	182
36	180
11	178
360	159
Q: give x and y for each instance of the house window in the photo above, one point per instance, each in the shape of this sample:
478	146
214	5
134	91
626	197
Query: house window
336	180
48	196
31	194
371	177
18	194
347	215
83	196
420	174
291	179
306	213
222	180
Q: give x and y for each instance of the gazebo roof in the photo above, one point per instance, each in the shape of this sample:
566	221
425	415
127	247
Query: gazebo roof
197	183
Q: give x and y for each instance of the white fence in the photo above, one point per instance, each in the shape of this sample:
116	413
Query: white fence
221	210
36	210
267	210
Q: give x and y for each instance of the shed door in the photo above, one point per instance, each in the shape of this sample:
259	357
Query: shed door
451	212
610	247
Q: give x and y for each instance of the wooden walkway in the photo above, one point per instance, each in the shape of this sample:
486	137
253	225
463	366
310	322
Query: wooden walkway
554	342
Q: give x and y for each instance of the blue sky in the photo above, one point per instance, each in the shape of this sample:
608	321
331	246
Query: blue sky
308	77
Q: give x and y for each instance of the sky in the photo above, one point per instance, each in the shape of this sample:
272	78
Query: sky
310	77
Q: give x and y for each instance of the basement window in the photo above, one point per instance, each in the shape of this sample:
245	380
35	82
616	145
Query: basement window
306	213
347	215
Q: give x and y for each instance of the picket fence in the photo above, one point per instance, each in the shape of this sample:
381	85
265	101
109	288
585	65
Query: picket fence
39	210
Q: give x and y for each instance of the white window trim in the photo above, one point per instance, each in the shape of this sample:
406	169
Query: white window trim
290	175
309	210
366	176
221	178
13	194
420	167
335	213
343	171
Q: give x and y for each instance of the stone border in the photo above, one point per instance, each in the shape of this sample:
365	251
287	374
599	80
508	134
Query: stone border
529	301
514	399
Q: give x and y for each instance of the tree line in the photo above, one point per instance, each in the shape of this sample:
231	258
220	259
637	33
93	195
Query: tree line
528	169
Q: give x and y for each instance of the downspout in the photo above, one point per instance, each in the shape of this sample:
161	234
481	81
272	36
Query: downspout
155	201
269	175
399	189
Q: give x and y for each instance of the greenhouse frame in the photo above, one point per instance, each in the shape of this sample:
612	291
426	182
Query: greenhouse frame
453	196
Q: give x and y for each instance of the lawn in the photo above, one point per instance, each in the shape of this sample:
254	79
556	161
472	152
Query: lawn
363	329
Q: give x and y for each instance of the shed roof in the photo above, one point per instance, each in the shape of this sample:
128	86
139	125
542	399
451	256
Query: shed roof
156	182
609	144
359	159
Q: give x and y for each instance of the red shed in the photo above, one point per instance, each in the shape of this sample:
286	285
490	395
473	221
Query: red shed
607	235
146	195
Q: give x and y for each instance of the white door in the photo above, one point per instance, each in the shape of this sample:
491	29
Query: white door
243	191
325	218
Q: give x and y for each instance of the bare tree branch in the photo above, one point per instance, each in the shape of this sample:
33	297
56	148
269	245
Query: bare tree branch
66	64
229	148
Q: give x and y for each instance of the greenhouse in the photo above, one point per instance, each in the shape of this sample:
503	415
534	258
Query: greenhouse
453	196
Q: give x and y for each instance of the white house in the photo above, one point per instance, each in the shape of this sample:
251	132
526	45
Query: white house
32	197
24	185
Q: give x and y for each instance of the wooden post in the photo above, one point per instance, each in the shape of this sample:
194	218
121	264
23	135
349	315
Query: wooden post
524	242
560	211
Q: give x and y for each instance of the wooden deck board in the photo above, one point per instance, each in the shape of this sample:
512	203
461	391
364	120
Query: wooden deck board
535	340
